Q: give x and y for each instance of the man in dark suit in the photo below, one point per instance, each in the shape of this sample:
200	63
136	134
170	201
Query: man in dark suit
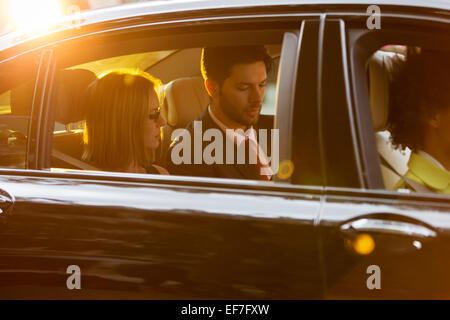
225	141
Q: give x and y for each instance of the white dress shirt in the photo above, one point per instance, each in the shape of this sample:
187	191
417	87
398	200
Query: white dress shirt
254	147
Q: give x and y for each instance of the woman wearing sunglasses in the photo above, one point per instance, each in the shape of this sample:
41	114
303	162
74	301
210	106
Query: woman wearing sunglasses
123	122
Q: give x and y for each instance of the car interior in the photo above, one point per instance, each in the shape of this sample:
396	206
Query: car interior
183	92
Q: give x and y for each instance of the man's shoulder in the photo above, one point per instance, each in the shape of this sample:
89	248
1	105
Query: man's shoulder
182	147
206	123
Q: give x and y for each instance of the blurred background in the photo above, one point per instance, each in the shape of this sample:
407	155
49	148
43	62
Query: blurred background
23	14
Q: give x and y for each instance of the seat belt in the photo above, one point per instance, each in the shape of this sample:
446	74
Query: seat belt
416	186
73	161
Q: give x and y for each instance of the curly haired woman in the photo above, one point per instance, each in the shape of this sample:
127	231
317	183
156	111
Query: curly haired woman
420	118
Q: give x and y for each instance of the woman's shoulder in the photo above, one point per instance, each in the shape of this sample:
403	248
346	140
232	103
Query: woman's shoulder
155	169
425	176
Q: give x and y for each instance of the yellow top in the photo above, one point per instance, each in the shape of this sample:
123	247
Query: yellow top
427	173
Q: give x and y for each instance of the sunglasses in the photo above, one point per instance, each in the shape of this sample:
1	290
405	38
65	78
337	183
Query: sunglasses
155	115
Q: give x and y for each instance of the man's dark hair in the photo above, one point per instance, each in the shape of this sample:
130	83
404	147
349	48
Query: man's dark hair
420	88
217	62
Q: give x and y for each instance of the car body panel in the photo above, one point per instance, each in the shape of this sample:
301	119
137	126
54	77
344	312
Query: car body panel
412	266
149	240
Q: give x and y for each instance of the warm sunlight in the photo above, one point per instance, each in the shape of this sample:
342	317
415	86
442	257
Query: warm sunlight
32	15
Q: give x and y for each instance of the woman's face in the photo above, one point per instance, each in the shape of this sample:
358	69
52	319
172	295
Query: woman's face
153	123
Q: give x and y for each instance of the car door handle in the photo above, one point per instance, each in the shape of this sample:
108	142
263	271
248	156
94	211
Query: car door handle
400	228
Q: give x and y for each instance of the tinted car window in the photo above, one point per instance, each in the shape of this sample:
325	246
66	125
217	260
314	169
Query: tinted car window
174	67
404	100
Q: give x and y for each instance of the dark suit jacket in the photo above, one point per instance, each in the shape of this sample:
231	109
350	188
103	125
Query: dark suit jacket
235	171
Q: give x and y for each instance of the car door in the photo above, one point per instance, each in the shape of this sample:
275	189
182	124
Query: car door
376	243
384	246
155	236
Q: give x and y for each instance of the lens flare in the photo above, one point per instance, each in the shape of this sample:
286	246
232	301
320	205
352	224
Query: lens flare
31	15
286	169
364	244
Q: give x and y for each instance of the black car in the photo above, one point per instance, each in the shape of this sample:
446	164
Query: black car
329	227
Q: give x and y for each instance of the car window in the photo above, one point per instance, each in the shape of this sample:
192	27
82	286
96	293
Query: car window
182	99
68	143
16	97
409	107
407	83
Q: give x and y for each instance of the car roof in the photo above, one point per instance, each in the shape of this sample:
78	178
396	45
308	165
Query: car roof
157	7
134	10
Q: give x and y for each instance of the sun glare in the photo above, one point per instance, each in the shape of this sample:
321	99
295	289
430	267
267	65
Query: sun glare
32	15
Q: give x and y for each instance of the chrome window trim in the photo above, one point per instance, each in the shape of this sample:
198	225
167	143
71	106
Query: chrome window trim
286	92
350	105
323	161
191	182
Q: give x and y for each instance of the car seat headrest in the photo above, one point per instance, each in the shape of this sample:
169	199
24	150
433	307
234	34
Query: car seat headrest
184	101
71	95
380	67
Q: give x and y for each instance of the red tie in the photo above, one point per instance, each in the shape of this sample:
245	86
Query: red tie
258	166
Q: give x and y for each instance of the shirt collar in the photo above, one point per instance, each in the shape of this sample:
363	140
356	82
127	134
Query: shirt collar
235	135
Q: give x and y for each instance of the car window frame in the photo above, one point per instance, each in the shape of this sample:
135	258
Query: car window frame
339	161
42	60
361	44
306	136
44	158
